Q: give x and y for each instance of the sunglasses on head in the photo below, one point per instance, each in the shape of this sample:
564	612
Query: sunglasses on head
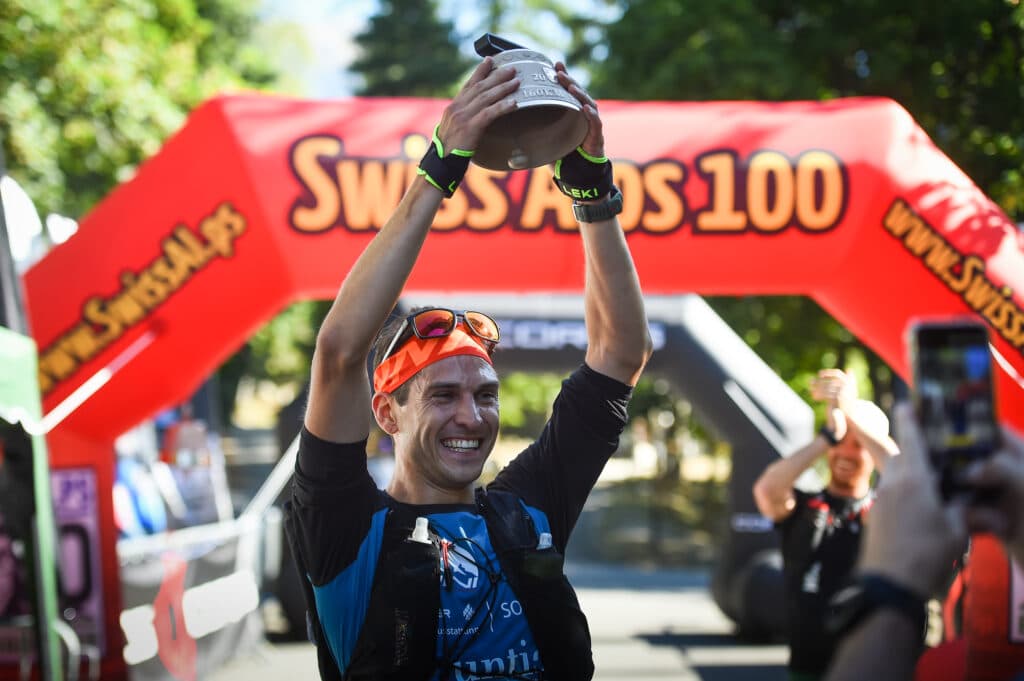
438	322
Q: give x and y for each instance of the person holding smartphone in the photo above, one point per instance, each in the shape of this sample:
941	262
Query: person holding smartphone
821	530
912	544
959	474
433	577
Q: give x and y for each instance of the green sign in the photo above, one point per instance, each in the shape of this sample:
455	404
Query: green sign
20	403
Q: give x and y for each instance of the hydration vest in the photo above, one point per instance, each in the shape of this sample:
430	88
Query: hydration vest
398	639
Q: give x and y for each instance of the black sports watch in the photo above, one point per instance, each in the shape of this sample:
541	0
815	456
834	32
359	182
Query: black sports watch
828	434
849	606
596	212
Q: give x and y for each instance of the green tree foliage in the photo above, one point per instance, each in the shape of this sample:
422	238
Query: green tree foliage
89	89
797	338
956	67
526	402
665	50
554	27
408	51
280	352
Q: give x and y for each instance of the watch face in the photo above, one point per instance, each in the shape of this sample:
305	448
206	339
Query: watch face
616	199
594	212
853	603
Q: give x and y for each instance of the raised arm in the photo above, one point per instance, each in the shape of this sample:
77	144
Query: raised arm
339	396
773	490
879	444
618	340
866	421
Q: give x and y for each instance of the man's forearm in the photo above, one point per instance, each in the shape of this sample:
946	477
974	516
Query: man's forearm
881	448
774	487
373	285
363	303
617	333
880	454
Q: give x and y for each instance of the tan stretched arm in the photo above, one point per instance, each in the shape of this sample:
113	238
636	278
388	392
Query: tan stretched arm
880	446
339	397
839	389
618	340
773	490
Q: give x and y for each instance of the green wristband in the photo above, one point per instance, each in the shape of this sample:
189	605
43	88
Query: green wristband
443	171
583	177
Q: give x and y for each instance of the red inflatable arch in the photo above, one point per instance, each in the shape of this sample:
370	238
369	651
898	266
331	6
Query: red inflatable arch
260	201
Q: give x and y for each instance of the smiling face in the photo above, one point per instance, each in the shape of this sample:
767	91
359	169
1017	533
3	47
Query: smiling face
851	466
445	430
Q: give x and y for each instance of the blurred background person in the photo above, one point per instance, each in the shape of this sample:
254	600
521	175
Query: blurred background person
821	529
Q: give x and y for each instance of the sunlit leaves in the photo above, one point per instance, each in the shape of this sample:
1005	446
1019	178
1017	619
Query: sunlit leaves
957	67
89	89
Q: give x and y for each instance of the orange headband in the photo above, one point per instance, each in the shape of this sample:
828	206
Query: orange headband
417	353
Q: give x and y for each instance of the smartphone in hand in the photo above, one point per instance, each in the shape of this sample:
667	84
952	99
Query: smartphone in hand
954	397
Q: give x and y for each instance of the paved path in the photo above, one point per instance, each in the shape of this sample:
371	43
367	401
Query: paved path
659	624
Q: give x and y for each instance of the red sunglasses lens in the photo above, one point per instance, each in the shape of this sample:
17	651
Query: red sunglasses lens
432	323
483	326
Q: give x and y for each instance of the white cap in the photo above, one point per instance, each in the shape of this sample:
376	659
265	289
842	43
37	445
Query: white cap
419	533
870	418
